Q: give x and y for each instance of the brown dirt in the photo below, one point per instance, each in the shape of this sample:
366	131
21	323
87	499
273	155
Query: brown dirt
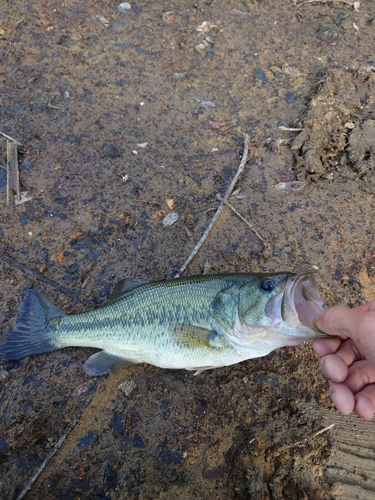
82	97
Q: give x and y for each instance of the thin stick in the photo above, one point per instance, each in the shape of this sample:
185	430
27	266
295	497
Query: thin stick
13	180
82	287
21	267
231	207
3	164
303	441
220	208
348	2
10	138
324	430
291	129
57	446
52	107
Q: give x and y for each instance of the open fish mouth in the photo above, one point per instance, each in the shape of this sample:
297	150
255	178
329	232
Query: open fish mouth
301	303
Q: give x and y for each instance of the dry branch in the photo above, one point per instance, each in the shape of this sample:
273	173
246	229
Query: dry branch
220	208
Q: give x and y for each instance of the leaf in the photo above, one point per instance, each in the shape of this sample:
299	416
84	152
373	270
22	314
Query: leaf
170	202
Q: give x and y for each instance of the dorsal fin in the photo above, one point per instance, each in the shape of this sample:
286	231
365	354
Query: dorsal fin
126	285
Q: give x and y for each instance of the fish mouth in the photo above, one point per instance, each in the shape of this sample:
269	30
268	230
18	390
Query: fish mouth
301	303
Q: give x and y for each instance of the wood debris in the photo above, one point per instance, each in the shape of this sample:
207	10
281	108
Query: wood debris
220	208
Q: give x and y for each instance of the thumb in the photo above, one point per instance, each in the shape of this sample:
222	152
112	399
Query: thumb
335	321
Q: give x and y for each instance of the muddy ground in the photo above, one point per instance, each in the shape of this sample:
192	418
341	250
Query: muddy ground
126	119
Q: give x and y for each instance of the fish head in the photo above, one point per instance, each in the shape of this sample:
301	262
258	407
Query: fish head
260	301
270	311
252	302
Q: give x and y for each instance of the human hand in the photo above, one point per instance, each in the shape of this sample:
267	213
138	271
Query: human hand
348	357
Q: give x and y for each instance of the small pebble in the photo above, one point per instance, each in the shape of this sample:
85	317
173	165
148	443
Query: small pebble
290	186
83	390
110	151
167	17
124	7
127	387
178	77
170	219
205	102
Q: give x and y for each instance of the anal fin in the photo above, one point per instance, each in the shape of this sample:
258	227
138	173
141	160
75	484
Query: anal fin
104	362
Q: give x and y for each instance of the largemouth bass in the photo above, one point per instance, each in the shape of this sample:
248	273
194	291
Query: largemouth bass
196	322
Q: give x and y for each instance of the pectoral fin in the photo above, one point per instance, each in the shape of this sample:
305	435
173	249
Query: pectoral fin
103	362
196	337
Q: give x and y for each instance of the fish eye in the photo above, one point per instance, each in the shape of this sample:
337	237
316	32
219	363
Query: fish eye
267	285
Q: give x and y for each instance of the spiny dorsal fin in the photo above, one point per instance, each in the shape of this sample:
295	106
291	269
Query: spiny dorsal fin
126	285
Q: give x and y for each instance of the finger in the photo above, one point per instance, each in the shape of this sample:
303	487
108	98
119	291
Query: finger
322	347
358	324
331	321
364	335
360	375
369	306
348	352
364	404
342	397
334	368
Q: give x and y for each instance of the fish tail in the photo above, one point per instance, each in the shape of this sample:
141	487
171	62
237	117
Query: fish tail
35	329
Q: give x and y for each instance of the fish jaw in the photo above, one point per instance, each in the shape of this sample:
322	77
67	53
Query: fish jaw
295	308
302	303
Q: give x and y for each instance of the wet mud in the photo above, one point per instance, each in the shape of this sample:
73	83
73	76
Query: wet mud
126	118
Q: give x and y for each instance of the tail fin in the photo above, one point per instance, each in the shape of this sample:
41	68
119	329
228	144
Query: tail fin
34	329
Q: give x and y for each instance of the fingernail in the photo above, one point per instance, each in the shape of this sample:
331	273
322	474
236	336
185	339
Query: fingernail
316	320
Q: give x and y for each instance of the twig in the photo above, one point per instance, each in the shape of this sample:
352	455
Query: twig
291	129
21	267
3	164
220	208
10	138
355	5
325	429
57	446
19	21
13	180
231	207
303	441
49	105
82	287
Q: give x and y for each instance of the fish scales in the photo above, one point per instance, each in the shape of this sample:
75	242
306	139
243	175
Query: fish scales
196	322
142	319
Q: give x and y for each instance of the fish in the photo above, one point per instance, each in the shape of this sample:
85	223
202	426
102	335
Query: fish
193	323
